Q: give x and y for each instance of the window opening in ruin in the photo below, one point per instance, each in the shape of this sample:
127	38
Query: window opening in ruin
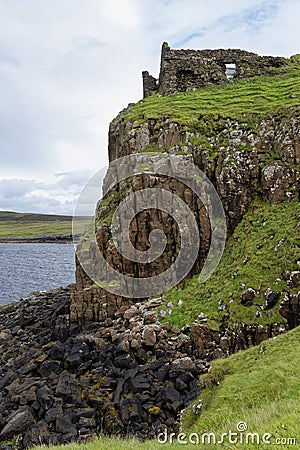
230	70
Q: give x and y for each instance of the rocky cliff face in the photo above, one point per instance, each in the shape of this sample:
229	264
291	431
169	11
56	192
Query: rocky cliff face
244	159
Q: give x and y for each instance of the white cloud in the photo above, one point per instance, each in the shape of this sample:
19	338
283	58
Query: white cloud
67	67
123	14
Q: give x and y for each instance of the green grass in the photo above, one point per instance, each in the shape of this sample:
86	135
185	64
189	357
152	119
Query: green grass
259	386
27	225
264	224
256	96
115	443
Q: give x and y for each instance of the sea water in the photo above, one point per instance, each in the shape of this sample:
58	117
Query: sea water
25	268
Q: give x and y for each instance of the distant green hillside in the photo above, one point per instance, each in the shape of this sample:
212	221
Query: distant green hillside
29	217
28	225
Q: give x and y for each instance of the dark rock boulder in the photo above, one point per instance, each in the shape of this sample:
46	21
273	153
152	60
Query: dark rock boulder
271	298
17	423
290	309
247	297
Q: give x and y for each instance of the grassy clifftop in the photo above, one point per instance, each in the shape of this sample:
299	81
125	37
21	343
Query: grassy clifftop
259	95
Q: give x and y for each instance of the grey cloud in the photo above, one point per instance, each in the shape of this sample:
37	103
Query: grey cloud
53	198
89	43
5	58
75	65
192	16
264	26
75	179
15	188
253	18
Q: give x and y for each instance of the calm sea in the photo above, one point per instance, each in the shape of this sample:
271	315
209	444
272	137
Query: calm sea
25	268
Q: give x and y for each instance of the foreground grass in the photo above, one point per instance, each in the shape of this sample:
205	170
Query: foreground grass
111	444
26	225
259	387
263	246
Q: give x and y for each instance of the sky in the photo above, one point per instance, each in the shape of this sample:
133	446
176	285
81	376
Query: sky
67	67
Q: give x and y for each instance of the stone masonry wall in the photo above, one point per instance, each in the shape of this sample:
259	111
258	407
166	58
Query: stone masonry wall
182	70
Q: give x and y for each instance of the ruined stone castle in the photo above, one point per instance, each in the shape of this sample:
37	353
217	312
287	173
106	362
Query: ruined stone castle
183	70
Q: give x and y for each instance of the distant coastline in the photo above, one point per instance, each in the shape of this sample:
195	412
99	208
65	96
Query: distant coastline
18	228
57	239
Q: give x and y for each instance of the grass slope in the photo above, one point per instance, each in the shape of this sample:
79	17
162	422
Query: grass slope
259	387
262	247
27	225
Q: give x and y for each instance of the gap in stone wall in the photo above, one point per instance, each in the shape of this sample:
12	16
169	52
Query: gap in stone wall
230	70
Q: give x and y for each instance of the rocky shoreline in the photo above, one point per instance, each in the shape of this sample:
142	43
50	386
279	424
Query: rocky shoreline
130	375
59	383
56	239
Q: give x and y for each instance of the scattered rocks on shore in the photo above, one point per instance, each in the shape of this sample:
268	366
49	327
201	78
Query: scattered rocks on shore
130	375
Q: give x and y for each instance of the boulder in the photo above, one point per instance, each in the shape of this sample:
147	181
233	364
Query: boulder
65	426
68	388
150	317
37	435
182	365
294	280
247	297
271	298
290	309
44	397
17	423
149	336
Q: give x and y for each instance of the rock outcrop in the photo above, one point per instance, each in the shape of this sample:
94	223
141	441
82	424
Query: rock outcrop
244	161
